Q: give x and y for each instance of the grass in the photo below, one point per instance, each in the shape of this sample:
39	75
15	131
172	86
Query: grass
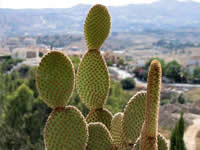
193	95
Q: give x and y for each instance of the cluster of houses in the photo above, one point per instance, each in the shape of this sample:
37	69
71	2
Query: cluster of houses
30	50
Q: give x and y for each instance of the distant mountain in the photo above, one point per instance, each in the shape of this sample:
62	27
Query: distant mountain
161	15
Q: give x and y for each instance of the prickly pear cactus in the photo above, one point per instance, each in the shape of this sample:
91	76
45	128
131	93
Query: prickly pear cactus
93	80
116	130
100	115
162	143
65	129
134	117
97	26
99	137
55	79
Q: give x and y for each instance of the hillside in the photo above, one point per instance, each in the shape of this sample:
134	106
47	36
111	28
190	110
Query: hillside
162	15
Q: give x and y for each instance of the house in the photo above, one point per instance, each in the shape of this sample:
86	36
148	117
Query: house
193	62
28	52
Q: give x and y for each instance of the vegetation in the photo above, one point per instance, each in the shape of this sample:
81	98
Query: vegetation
23	114
173	72
176	140
128	84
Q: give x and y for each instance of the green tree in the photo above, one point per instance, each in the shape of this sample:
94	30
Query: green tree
19	103
176	139
196	75
173	71
128	83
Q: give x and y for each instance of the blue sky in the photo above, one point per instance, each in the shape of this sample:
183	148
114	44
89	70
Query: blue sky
65	3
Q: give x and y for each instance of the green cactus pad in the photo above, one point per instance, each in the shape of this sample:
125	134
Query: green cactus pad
55	79
134	117
150	128
97	26
99	137
66	129
162	143
116	129
93	80
100	115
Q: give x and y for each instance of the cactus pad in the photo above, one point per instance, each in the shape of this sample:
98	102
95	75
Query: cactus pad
66	129
55	79
134	117
97	26
99	137
100	115
93	80
153	100
116	130
162	143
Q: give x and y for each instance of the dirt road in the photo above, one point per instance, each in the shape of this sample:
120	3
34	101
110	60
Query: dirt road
191	132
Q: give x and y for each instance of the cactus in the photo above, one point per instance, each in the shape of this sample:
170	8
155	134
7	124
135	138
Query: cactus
93	80
97	26
55	79
150	127
134	117
99	137
100	115
116	130
67	129
162	143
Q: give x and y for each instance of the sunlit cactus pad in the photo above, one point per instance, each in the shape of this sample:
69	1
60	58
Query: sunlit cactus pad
55	79
116	130
93	80
153	99
99	137
134	117
97	26
162	143
100	115
66	129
